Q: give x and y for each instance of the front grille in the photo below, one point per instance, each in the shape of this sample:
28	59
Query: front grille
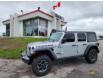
29	48
28	51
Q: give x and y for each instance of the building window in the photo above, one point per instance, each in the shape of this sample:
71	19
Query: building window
43	27
7	29
35	27
31	27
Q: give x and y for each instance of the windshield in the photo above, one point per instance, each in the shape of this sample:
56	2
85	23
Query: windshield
55	36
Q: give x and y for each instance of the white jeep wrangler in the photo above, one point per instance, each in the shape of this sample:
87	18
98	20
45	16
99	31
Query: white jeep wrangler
61	44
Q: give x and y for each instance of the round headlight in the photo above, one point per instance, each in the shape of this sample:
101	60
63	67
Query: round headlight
32	48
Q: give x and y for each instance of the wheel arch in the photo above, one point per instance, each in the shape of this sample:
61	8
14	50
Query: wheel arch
89	48
48	52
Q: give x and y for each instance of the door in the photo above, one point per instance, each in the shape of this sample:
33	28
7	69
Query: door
82	43
68	45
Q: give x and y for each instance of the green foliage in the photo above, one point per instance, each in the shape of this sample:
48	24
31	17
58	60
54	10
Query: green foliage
100	36
15	51
10	54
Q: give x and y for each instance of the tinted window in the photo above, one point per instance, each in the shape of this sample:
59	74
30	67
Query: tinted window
91	37
81	37
69	37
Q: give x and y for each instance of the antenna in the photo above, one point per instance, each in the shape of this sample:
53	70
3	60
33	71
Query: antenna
66	29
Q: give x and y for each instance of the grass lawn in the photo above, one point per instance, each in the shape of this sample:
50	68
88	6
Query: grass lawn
10	47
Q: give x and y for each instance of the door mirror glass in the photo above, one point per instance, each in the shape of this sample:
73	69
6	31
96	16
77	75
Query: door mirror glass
64	40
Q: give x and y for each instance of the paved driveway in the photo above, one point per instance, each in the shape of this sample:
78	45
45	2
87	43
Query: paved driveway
62	68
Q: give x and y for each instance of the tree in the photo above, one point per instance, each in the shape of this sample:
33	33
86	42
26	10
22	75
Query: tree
100	36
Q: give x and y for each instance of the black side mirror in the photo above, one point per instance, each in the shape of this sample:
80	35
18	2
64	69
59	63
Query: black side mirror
64	40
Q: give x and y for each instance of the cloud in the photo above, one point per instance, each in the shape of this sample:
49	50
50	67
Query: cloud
87	24
80	15
75	10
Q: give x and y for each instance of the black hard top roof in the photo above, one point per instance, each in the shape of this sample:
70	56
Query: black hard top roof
74	31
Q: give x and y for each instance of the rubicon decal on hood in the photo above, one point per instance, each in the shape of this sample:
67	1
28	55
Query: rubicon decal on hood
46	44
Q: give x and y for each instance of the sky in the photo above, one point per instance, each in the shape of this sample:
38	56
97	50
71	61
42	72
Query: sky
86	15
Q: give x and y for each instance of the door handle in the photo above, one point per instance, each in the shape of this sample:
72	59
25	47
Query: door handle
74	45
84	44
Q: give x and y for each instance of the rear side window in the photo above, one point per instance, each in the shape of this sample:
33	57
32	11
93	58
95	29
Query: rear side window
91	37
81	37
70	37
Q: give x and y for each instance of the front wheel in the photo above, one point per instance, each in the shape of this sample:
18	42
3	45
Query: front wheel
41	65
91	56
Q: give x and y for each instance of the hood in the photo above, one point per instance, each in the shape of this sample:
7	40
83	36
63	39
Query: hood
45	44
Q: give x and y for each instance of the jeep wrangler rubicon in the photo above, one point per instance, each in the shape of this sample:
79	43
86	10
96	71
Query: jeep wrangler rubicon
60	45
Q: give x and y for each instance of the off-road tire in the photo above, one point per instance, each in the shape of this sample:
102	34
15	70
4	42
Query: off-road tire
91	56
38	60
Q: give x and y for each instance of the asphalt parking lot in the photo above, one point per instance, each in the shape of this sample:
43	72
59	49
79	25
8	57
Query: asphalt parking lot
63	68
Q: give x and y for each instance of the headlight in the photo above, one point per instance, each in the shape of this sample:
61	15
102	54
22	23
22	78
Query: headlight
32	48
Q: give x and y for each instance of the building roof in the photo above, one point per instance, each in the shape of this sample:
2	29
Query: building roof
6	20
32	13
35	12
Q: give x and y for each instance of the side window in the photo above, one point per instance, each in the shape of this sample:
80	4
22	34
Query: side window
70	37
81	37
91	37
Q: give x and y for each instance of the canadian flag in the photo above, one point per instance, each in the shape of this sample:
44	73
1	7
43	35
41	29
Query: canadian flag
57	5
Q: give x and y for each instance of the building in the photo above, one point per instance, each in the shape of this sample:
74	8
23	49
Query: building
35	23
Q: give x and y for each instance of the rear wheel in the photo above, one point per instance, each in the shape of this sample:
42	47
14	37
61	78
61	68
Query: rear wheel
92	56
41	65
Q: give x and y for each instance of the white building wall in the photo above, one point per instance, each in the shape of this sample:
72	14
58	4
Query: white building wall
21	28
54	24
51	25
58	24
16	27
11	26
49	28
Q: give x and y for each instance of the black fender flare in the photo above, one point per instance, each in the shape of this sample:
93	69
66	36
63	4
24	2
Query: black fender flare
89	47
49	51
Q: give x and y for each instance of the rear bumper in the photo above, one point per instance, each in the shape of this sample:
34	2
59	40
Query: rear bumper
25	58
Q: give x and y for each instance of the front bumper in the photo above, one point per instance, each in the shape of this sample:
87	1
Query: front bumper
25	58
